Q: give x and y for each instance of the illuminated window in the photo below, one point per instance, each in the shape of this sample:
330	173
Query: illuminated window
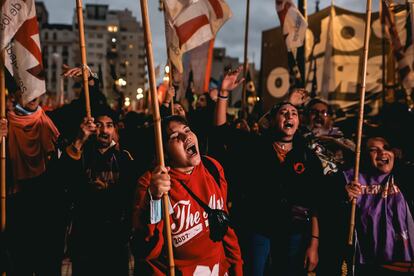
112	29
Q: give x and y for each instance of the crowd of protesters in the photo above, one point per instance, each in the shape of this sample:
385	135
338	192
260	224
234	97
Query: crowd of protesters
254	197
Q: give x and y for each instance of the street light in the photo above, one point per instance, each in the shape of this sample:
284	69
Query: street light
127	102
121	82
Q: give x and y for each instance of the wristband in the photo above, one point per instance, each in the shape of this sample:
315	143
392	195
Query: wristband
223	97
315	237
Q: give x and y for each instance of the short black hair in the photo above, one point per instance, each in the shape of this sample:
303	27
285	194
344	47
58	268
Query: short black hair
106	111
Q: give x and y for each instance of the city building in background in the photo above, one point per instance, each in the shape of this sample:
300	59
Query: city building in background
221	64
115	50
57	49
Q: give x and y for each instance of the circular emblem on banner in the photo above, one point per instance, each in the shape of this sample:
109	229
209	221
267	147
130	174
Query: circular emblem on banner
348	34
278	82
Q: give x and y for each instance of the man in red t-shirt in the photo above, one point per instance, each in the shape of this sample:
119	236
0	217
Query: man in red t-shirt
194	252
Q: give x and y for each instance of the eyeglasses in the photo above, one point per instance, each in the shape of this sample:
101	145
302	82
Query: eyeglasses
316	112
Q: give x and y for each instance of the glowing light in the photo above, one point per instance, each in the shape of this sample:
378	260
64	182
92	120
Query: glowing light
140	90
113	39
112	29
140	96
167	69
121	82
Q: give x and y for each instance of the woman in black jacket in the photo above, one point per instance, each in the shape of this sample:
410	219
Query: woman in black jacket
279	179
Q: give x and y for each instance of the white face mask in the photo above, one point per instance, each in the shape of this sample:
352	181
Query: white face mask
24	111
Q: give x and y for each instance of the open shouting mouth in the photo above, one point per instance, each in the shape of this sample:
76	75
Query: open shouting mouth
288	125
191	149
382	161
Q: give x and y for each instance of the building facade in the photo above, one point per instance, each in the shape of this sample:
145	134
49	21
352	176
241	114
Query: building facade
221	64
115	50
57	49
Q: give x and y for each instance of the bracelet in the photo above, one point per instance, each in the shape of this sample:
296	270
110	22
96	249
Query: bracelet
223	97
315	237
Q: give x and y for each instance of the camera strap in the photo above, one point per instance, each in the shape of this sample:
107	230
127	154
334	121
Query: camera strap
212	169
199	201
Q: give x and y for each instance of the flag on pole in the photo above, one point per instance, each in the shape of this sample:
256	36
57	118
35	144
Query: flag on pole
197	63
19	37
404	68
293	23
191	23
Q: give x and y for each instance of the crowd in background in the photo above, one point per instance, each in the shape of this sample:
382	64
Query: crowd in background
89	188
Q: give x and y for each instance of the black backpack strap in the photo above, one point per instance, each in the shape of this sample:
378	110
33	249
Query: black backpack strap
212	168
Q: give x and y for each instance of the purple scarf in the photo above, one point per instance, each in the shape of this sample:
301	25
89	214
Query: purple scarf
384	222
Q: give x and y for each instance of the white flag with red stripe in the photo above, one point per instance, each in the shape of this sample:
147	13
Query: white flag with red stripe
190	23
19	34
293	23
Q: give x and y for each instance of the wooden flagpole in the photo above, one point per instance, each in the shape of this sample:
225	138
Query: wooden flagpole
157	125
83	56
361	116
301	51
383	55
246	44
3	146
169	64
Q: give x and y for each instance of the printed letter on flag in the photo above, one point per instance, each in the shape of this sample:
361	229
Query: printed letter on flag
20	40
293	23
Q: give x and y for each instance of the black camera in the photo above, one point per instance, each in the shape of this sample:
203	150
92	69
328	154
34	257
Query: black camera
218	221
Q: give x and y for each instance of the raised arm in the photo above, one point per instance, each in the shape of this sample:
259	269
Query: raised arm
230	82
86	129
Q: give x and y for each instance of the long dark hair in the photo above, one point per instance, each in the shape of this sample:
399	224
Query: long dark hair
365	157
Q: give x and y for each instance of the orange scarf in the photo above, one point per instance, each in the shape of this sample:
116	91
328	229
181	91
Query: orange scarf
31	140
281	153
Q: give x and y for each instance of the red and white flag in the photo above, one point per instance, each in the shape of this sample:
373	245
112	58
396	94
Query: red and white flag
293	23
19	37
190	23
